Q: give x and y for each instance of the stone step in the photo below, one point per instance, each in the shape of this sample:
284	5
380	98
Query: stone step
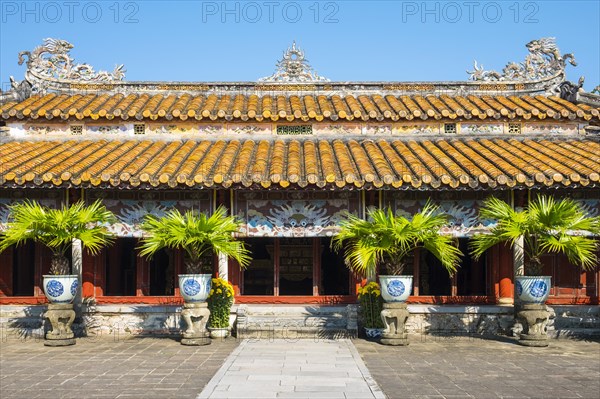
295	322
575	333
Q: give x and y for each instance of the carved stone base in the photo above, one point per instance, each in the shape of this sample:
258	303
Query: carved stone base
534	318
196	317
394	316
59	341
61	317
197	341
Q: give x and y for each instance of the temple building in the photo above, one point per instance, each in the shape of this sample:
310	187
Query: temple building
290	154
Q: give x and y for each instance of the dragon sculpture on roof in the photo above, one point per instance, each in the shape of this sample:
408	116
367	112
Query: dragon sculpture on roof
52	60
543	61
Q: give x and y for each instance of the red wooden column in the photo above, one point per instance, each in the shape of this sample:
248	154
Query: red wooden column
99	276
234	276
505	274
87	274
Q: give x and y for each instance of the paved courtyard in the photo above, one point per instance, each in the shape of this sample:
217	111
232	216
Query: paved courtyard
463	367
428	368
106	368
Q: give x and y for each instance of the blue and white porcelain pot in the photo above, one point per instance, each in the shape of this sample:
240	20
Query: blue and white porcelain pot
532	289
195	287
373	332
60	288
395	288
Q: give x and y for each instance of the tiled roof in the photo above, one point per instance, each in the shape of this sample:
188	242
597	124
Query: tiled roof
389	163
293	107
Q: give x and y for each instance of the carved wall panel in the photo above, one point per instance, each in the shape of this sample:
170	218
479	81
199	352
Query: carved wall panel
130	208
50	198
294	214
462	209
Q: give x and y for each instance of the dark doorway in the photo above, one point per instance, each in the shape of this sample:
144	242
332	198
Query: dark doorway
335	277
296	260
121	266
472	274
162	273
433	277
258	276
23	269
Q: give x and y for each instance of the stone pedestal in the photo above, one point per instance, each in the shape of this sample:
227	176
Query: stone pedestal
534	318
394	316
61	317
196	317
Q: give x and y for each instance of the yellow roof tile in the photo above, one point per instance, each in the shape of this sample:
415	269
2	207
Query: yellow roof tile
442	163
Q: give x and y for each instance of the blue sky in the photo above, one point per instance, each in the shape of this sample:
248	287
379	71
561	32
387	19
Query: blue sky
344	40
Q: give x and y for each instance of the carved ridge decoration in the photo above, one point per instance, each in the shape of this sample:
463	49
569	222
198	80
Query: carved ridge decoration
543	61
294	67
52	60
410	87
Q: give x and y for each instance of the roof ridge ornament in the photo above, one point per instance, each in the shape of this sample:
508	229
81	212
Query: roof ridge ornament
294	67
52	60
543	61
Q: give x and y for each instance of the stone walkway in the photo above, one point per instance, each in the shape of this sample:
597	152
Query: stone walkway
293	369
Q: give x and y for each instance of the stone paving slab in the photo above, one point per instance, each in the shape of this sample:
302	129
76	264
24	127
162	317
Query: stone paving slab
108	368
430	367
281	368
469	367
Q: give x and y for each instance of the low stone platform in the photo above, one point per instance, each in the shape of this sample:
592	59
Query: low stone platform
118	321
296	321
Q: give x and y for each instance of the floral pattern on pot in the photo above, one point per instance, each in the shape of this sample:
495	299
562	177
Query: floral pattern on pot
191	287
54	288
538	289
532	289
60	288
373	332
396	288
194	287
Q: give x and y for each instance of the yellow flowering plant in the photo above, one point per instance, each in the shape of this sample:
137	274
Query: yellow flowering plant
370	305
220	300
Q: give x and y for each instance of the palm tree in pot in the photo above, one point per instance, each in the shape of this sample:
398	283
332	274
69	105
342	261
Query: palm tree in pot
56	229
385	240
199	236
546	226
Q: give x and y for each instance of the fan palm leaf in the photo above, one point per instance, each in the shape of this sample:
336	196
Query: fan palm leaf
57	228
195	233
386	238
546	226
